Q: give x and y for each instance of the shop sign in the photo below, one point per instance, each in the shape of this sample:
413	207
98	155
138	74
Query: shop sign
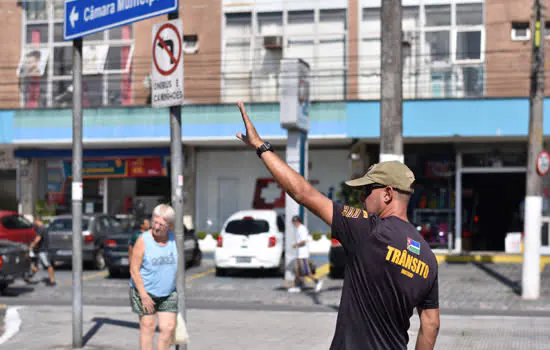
113	168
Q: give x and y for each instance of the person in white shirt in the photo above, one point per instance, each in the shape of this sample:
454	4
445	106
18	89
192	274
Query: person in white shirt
302	256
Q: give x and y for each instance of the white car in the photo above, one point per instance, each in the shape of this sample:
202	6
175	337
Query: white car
251	239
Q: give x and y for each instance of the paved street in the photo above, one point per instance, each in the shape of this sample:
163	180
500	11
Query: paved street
479	303
48	327
464	289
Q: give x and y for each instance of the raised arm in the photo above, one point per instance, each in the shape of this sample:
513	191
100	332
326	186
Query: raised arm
293	183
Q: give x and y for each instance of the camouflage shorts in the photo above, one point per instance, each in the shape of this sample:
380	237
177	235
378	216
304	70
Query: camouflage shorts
162	304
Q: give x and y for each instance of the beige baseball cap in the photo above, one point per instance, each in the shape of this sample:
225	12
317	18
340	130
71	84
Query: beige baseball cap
393	173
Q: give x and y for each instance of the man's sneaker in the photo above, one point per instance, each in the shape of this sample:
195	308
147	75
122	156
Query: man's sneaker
50	284
294	290
318	286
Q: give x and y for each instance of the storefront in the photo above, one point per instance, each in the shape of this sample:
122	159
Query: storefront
491	183
114	181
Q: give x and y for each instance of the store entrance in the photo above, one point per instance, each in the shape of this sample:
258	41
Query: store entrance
492	207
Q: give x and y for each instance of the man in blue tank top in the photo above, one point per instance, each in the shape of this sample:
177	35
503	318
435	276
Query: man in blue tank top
153	268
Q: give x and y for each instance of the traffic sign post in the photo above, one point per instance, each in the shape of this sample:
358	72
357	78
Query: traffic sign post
87	17
83	18
167	53
167	91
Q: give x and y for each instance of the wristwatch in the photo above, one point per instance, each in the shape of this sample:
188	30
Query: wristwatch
264	148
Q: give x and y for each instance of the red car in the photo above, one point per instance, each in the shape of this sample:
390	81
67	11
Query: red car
16	228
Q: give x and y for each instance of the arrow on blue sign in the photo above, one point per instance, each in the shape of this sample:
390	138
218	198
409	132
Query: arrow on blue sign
85	17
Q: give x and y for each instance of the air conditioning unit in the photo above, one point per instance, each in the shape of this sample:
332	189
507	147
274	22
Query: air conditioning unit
273	42
407	39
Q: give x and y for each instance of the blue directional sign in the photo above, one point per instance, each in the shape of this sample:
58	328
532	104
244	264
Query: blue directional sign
85	17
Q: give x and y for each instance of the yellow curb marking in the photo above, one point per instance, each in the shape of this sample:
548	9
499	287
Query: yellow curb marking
321	271
496	258
199	275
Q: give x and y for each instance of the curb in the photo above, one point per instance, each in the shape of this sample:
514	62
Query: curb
11	323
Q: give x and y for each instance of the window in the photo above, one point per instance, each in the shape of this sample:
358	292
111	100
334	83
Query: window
247	226
236	60
520	31
443	51
59	225
252	53
15	222
106	67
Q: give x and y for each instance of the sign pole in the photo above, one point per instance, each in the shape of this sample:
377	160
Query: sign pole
77	193
176	152
530	279
294	109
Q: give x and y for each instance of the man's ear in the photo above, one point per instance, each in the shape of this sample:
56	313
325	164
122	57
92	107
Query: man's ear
389	195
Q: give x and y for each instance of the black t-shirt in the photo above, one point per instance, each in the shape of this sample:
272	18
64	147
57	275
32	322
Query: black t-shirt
41	231
390	271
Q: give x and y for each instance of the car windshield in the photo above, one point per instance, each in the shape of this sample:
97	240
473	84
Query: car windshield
66	225
247	227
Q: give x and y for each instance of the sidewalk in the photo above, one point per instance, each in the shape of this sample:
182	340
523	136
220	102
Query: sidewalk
116	328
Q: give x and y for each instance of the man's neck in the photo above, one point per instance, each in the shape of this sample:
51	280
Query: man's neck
397	212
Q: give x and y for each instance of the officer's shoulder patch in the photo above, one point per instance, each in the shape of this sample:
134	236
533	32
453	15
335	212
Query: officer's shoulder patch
352	213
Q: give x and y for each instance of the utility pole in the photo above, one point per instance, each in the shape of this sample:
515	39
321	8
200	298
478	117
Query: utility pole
391	90
533	200
176	160
77	193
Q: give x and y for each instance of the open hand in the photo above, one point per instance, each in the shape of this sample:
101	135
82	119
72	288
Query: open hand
251	137
148	304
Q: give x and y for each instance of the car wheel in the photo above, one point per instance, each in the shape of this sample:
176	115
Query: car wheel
197	258
3	287
281	268
114	273
99	260
221	272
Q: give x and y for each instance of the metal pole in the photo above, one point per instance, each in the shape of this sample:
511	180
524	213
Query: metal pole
533	199
176	160
458	204
77	193
391	90
105	195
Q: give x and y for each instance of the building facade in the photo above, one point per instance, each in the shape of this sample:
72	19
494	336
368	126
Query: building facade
465	85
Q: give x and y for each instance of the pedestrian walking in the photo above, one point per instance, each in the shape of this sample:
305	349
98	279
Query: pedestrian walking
302	263
39	253
153	270
391	270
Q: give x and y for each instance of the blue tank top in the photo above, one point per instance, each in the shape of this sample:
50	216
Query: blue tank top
160	265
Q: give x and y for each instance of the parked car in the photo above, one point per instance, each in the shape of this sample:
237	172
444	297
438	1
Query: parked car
16	228
95	227
116	249
251	239
14	262
337	259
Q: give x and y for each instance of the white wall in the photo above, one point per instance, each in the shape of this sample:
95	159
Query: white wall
329	167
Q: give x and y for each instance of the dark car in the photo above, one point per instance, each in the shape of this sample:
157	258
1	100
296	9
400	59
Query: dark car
116	250
95	229
337	259
14	262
